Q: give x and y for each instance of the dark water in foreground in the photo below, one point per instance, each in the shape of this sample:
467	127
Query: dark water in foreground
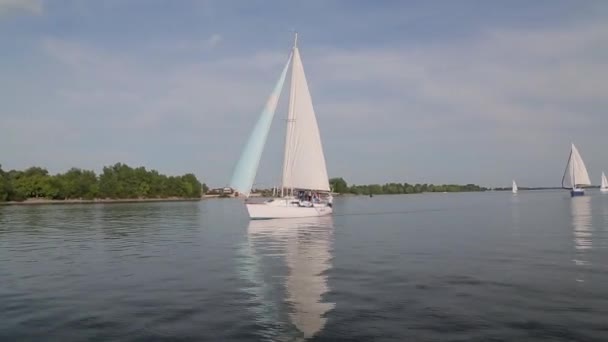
431	267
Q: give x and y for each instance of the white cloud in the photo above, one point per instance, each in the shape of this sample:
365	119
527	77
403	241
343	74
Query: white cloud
189	86
506	76
512	97
182	46
32	6
214	40
128	99
516	97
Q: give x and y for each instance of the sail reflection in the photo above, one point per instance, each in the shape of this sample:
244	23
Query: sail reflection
515	217
289	259
581	223
605	212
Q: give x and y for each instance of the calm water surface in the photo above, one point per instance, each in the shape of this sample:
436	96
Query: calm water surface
430	267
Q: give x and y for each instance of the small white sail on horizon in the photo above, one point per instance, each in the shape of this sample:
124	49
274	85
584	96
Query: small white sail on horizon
514	187
604	184
576	174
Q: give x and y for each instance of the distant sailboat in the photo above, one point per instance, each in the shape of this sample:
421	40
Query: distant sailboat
575	174
604	186
514	188
305	188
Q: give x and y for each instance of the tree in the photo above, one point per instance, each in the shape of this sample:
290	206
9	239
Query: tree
338	185
5	186
77	183
192	187
33	182
116	181
374	189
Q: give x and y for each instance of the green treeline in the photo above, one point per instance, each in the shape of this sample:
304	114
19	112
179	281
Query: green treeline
339	185
119	181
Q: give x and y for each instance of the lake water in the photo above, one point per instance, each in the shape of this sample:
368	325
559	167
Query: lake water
428	267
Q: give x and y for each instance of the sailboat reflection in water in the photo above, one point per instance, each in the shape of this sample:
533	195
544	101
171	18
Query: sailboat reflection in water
287	266
582	229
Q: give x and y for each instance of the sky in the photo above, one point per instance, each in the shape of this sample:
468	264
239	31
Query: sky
404	91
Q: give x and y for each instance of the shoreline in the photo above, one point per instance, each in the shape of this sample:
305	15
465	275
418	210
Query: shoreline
99	201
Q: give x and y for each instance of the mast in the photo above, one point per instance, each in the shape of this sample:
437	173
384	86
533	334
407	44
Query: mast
290	121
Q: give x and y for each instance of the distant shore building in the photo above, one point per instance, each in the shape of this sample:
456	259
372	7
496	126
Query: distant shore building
224	192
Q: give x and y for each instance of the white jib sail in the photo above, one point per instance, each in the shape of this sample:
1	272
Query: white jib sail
514	189
604	181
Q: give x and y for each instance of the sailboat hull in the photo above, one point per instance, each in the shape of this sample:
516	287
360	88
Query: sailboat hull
577	192
285	208
604	190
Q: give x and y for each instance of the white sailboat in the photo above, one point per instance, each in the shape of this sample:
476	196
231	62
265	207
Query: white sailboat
514	188
604	185
575	175
305	188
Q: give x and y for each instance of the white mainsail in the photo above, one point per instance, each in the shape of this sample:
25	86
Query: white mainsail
604	185
304	161
576	171
514	189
